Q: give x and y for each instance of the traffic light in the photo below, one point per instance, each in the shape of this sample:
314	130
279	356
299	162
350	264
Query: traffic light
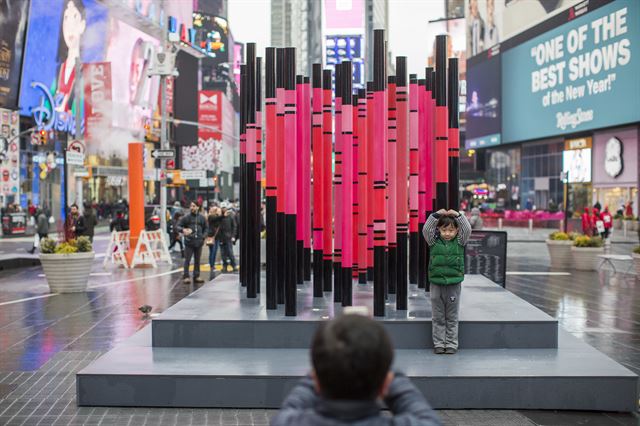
44	137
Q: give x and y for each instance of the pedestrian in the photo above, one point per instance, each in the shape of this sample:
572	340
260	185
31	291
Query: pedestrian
351	359
587	229
596	223
42	229
71	223
119	223
227	238
446	232
628	209
607	221
213	243
476	221
194	227
87	223
597	206
174	235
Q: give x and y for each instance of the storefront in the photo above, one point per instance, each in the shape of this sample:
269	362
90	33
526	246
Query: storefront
540	185
576	169
615	168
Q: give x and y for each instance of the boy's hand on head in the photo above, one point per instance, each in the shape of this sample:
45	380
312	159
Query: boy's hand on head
442	212
453	213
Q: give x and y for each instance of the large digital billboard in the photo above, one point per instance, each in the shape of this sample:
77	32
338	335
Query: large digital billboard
484	103
579	76
59	31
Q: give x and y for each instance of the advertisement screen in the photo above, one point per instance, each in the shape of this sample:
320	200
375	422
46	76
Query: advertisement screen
59	31
13	25
577	163
568	79
483	111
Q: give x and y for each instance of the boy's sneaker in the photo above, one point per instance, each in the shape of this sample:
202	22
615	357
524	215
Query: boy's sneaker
450	351
438	351
198	280
229	268
186	280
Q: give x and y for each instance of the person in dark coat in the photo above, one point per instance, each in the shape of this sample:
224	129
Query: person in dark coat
174	235
87	223
194	228
213	242
227	237
119	224
42	227
351	358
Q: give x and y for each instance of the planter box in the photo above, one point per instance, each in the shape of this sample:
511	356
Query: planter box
636	263
560	253
617	224
67	273
586	258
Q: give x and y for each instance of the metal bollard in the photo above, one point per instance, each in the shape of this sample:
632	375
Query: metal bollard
624	227
531	226
500	223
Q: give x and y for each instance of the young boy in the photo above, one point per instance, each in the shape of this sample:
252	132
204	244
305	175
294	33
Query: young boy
446	232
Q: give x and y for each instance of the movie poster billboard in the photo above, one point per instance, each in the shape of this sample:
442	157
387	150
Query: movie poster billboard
13	26
59	32
9	155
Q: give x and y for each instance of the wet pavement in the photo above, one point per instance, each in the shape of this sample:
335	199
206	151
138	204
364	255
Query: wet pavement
45	338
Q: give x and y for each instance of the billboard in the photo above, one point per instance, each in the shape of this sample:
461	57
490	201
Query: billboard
576	77
210	114
484	103
519	15
59	31
484	25
13	26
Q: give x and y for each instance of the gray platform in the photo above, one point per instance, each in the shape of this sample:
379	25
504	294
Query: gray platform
572	375
218	316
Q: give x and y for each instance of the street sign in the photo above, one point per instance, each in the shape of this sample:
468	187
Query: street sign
81	172
193	174
75	158
76	146
163	154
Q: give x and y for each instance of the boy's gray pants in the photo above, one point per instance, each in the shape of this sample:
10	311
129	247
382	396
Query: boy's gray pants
445	304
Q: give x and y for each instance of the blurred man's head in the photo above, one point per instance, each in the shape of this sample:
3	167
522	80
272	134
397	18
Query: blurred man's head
74	209
351	357
194	207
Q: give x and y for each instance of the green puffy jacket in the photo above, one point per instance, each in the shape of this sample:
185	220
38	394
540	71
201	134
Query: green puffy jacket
446	262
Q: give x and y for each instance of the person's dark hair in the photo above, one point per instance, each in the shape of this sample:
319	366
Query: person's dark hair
351	356
74	205
63	51
445	221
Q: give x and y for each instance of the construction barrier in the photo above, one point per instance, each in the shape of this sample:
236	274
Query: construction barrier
151	248
117	249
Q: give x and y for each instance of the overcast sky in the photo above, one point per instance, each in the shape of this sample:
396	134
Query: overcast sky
250	21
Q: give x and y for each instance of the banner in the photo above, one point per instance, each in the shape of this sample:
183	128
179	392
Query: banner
210	114
580	76
13	25
97	95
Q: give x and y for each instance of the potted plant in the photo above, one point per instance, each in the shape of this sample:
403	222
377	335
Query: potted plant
559	246
636	259
585	252
67	264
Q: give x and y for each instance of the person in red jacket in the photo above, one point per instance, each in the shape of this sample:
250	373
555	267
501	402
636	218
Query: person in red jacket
587	228
595	218
607	221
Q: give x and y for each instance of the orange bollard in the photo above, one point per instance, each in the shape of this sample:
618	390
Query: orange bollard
136	195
